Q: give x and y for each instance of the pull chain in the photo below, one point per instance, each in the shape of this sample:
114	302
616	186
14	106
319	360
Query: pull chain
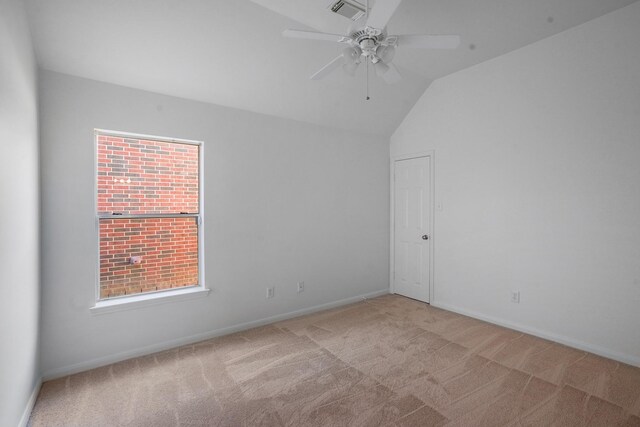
367	58
368	80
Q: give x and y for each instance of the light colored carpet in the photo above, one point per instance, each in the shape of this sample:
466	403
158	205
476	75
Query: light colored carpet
386	361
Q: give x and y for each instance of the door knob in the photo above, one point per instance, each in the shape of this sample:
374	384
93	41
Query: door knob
425	237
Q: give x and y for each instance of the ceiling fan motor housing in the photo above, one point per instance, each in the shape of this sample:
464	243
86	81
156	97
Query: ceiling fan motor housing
368	40
367	33
368	47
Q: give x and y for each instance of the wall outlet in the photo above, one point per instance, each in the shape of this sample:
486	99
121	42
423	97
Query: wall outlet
271	292
515	297
300	287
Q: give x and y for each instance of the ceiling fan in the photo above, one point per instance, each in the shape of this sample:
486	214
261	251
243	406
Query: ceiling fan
367	41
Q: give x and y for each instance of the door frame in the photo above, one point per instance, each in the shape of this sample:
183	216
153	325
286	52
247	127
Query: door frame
431	155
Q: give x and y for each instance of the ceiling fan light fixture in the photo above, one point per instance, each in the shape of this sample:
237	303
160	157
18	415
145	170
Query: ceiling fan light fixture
381	68
351	68
352	54
386	53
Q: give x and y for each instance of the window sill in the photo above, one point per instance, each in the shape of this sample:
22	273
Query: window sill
146	300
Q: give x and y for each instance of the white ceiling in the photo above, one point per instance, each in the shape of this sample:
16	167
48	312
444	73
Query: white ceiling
231	52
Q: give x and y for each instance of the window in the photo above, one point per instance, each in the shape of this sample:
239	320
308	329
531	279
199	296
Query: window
149	214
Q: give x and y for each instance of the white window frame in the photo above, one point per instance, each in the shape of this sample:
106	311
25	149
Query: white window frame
126	302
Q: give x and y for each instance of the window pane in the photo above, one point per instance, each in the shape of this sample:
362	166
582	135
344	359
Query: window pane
139	176
168	251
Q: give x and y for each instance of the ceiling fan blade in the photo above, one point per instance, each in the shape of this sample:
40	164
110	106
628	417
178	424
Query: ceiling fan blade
391	75
386	53
381	13
312	35
327	69
381	68
428	42
350	68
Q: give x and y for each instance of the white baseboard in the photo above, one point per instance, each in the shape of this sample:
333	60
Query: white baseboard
166	345
30	404
570	342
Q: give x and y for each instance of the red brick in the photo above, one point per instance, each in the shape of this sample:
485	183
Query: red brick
164	179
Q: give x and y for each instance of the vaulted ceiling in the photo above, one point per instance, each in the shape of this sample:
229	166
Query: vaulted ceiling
232	53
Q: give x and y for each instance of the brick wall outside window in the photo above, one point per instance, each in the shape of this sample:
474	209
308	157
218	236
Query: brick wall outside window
140	176
169	247
137	176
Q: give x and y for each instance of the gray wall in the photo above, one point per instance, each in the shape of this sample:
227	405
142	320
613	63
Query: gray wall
284	201
19	215
537	158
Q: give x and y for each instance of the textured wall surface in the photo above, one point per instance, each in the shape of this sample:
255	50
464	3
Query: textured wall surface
283	202
537	183
19	217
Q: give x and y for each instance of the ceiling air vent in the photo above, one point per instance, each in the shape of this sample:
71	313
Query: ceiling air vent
351	10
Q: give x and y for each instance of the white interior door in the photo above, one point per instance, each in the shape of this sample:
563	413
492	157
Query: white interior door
412	223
